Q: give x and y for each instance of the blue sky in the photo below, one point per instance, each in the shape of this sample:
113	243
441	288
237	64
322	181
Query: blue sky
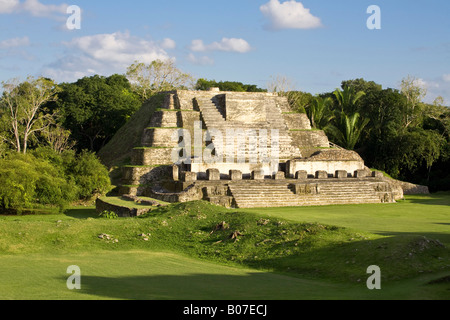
315	44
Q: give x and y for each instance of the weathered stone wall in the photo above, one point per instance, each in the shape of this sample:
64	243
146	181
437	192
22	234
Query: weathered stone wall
191	193
309	139
224	168
298	121
144	175
151	156
160	137
329	166
409	188
121	211
245	109
165	119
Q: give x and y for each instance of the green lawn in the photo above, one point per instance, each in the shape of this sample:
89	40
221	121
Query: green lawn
147	275
282	253
427	215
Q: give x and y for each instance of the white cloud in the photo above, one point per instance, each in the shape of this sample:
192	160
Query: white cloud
226	44
104	54
33	7
168	44
289	15
121	48
204	60
14	43
446	77
8	6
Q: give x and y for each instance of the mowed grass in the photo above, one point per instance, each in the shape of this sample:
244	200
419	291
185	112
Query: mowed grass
427	215
200	251
147	275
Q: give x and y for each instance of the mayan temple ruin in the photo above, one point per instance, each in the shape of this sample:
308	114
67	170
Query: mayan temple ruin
243	150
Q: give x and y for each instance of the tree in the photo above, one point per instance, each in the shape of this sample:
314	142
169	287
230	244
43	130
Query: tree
58	138
348	130
298	101
157	76
94	108
347	99
319	112
348	124
280	84
90	175
414	91
24	103
204	85
362	85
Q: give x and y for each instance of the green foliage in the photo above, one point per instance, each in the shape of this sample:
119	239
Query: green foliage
298	101
90	175
23	113
348	129
203	84
27	180
108	215
320	113
347	99
45	177
17	182
95	108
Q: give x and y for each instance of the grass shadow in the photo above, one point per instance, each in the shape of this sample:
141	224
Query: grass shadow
251	286
438	198
81	213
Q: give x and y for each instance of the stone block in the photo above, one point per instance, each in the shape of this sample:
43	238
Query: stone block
175	173
258	175
235	175
213	174
305	189
301	175
377	174
340	174
279	175
321	175
190	176
360	173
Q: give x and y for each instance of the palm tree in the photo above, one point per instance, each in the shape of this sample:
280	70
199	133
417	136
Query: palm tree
348	130
347	99
319	113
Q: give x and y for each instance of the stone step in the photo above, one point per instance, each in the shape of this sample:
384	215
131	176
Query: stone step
280	195
298	204
309	199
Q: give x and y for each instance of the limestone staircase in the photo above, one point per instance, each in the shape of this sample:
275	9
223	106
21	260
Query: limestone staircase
214	119
281	194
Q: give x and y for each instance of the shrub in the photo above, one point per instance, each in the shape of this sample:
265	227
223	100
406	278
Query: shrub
17	183
90	175
108	215
44	177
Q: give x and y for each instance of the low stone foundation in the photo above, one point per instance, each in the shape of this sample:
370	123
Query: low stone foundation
121	211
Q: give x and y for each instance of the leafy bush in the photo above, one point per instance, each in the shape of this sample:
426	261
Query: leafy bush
44	177
108	215
17	183
90	175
